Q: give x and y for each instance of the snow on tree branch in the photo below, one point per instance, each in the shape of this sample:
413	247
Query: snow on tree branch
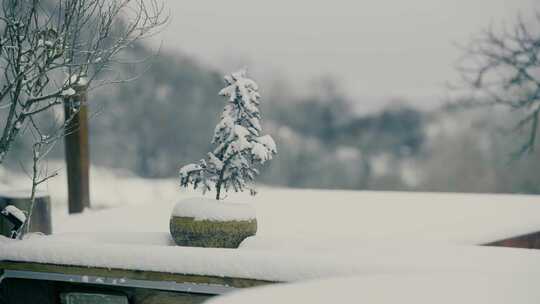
238	145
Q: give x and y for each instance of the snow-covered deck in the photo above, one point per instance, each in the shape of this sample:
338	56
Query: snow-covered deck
278	265
318	217
306	234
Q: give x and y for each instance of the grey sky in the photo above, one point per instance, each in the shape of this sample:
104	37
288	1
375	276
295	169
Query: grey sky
379	49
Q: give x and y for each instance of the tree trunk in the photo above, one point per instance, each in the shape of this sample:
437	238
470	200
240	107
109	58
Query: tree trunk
220	180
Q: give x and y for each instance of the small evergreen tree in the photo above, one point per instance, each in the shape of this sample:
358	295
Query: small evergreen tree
238	146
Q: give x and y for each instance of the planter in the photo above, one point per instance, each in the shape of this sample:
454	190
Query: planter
201	222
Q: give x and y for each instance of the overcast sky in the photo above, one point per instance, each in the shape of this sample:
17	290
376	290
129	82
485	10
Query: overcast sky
379	49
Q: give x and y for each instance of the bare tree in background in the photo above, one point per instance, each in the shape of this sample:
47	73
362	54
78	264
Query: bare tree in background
46	47
505	67
49	50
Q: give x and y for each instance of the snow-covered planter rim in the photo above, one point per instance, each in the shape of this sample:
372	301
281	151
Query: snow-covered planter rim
201	209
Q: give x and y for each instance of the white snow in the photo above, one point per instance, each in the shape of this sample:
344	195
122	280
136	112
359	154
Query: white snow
144	205
363	215
14	211
76	79
18	193
214	161
440	288
260	152
68	92
185	170
109	189
213	210
272	265
268	142
71	81
4	239
112	237
302	234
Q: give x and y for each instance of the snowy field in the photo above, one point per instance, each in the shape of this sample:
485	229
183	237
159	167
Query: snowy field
124	203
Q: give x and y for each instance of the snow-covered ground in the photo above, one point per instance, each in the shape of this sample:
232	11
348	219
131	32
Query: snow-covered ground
309	216
440	288
124	203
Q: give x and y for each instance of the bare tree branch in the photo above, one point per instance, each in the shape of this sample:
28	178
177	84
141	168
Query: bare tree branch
51	48
44	42
504	67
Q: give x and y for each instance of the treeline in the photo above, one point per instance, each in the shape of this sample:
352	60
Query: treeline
162	120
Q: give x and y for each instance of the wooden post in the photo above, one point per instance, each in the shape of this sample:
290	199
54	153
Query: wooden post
76	149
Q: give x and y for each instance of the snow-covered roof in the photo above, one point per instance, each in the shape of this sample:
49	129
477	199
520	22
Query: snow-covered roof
391	288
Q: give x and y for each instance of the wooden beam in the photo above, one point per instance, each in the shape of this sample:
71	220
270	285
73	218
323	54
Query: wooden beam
528	241
134	274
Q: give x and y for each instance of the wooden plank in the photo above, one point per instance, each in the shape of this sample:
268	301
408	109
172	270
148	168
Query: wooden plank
528	241
16	291
133	274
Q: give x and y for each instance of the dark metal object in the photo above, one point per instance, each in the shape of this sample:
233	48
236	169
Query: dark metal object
141	287
41	215
76	149
15	221
92	298
211	289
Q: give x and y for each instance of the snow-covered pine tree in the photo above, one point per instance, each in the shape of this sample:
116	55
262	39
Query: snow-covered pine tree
238	146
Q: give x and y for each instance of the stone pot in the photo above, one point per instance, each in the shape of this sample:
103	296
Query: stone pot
203	222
